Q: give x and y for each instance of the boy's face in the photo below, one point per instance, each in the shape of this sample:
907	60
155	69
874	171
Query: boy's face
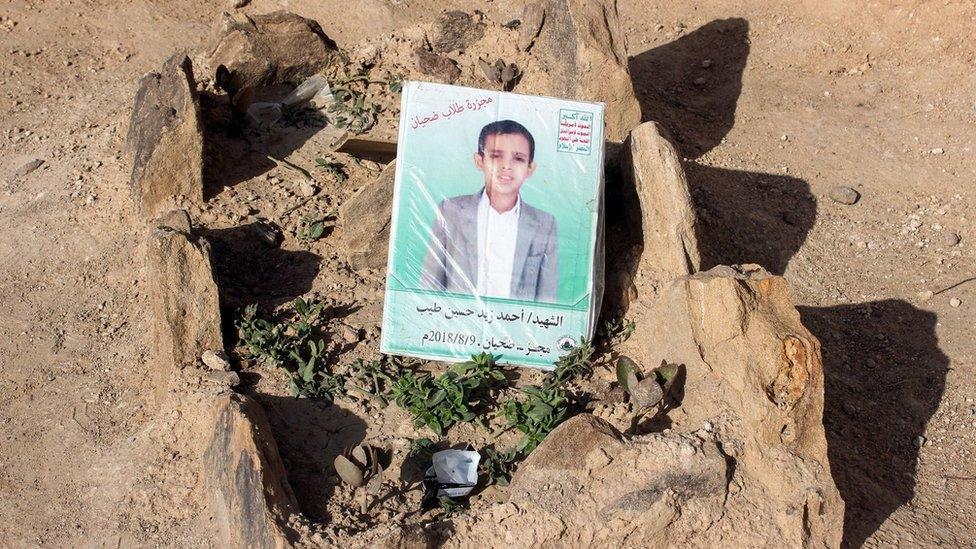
505	163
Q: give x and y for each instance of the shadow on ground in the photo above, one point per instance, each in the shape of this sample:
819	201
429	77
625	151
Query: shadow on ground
696	103
249	269
236	151
310	434
884	378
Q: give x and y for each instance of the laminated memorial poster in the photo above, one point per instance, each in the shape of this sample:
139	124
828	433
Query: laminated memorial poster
496	214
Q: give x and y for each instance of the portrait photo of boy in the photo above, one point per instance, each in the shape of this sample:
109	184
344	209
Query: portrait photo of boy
491	242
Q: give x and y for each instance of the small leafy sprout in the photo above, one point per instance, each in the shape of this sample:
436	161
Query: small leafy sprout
322	386
570	366
360	468
418	459
544	407
370	380
293	346
335	169
307	364
617	328
262	339
350	109
497	467
646	392
449	506
452	397
396	83
422	448
535	416
309	229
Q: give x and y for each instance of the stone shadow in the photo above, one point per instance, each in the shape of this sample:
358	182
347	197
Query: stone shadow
250	269
749	217
235	151
692	84
310	434
691	87
884	376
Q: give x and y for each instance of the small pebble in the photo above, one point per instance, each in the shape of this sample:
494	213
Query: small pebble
955	302
216	360
926	295
700	81
872	88
920	441
28	167
938	151
950	239
350	334
784	137
706	63
307	188
844	195
230	379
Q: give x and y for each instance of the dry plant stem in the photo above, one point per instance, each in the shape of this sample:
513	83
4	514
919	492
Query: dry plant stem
291	165
957	284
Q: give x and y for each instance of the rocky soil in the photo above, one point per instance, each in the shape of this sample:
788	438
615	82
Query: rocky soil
773	107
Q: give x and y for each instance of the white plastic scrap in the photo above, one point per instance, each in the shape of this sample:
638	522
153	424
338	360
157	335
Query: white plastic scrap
457	468
263	114
315	89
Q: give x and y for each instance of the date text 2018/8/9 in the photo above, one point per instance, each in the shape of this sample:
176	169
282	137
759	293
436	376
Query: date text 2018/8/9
453	338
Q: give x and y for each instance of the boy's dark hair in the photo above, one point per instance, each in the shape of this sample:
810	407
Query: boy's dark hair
505	127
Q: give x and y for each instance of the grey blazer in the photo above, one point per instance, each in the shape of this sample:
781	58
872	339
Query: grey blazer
452	260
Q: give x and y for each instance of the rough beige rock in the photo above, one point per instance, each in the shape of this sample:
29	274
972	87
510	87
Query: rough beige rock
744	463
439	67
243	471
223	378
533	15
270	48
749	358
165	139
585	485
178	220
652	166
185	305
579	54
455	30
365	221
216	360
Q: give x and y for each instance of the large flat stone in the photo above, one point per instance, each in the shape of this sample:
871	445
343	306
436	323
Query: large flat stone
185	303
250	492
269	48
165	139
365	219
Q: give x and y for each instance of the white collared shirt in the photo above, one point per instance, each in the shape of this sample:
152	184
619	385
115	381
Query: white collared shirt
497	234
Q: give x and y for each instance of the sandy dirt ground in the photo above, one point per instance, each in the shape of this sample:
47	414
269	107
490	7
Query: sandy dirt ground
772	104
